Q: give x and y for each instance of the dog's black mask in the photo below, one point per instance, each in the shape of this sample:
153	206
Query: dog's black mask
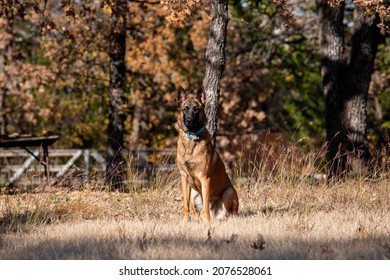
191	117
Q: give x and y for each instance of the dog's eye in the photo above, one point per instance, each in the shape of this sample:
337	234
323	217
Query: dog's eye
186	109
196	109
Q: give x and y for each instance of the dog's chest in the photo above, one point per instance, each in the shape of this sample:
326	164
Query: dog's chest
191	156
191	165
189	162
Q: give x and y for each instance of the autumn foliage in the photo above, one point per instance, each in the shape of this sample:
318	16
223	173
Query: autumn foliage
54	70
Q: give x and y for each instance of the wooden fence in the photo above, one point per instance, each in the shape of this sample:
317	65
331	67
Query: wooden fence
16	163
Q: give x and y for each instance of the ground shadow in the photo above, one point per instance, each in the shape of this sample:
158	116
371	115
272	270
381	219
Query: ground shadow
239	247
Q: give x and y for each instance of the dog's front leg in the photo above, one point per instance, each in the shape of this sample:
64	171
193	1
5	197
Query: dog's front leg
206	198
186	192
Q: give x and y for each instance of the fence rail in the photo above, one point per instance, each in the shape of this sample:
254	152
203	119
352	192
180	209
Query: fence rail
14	163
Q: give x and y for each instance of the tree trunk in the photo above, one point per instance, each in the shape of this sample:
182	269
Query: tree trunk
4	62
136	121
3	123
3	92
332	67
346	85
115	164
364	46
215	62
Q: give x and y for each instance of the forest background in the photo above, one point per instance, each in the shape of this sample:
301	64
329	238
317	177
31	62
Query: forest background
54	72
57	63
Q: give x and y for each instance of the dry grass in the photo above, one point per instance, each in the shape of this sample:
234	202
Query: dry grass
284	216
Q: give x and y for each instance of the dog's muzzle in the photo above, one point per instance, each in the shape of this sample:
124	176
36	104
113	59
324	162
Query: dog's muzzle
191	120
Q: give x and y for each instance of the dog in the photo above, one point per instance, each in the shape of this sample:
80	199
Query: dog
206	187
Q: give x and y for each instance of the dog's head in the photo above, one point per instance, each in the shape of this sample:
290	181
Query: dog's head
191	110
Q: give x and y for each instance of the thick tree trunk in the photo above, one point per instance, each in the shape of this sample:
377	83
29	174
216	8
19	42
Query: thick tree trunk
115	164
332	67
358	77
215	62
346	83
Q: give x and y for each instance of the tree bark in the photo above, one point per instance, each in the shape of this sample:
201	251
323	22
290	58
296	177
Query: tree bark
364	47
215	62
5	59
115	165
346	83
3	92
332	67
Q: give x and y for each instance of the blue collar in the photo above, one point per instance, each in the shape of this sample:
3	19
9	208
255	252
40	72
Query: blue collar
194	136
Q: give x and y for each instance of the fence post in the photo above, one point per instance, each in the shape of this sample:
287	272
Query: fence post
87	154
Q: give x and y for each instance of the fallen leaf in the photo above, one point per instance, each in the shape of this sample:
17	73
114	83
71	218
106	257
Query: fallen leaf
259	243
232	239
362	232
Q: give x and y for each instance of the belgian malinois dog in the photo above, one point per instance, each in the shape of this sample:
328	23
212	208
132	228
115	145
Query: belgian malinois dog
205	184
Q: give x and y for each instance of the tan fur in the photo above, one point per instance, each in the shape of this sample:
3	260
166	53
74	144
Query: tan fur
206	186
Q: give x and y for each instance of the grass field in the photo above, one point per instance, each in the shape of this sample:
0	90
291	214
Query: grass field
282	215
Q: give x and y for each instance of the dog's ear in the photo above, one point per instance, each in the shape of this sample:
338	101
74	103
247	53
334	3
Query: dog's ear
181	96
201	95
